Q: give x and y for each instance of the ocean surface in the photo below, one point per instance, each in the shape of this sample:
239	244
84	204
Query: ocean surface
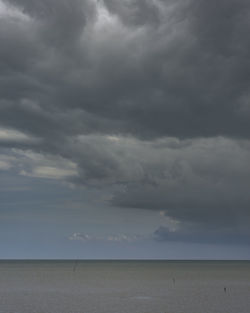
124	287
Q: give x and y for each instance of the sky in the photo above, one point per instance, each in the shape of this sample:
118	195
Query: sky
125	129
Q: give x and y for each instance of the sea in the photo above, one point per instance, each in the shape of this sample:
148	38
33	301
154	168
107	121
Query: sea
124	286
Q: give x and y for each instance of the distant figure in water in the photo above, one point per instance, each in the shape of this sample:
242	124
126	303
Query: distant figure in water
225	289
173	280
75	265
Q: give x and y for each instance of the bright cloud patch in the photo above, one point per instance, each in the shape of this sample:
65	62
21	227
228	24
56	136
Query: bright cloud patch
110	237
10	135
12	12
45	166
4	165
50	172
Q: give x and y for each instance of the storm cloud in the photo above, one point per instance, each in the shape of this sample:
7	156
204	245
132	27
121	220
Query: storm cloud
150	98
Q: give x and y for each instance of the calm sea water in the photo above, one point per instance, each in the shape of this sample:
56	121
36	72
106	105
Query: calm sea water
124	287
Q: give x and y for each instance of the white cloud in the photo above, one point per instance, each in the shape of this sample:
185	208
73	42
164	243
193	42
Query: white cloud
7	161
108	237
12	12
44	166
11	135
4	165
51	172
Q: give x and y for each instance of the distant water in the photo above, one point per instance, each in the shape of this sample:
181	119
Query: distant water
124	287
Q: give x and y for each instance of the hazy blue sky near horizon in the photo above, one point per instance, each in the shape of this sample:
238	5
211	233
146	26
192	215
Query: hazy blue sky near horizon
124	129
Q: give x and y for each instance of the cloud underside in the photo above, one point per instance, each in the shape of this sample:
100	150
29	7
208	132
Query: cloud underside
150	98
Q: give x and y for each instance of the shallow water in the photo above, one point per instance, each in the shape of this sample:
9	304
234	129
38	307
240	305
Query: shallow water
124	287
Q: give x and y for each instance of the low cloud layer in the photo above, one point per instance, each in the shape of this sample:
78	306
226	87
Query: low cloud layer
150	98
192	235
83	237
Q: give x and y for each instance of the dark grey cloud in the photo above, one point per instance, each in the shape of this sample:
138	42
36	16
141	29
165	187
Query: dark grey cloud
226	236
60	22
148	97
176	79
135	13
203	183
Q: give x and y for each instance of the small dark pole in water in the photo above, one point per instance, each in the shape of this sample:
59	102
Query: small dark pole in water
75	265
225	289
